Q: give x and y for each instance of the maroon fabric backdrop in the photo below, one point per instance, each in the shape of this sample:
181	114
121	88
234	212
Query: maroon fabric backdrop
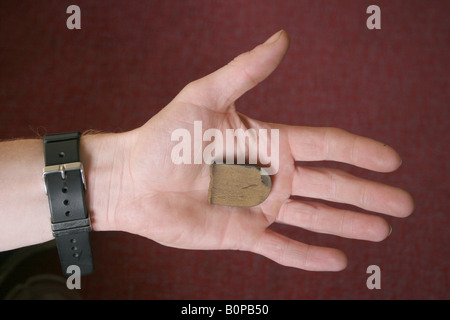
132	57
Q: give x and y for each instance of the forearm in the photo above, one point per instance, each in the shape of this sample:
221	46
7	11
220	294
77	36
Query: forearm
24	208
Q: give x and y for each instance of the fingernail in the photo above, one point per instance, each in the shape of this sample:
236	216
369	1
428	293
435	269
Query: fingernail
274	38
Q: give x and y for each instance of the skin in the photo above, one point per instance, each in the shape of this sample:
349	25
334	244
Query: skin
133	185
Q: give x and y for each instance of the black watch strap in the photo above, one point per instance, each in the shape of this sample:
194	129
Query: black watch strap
65	187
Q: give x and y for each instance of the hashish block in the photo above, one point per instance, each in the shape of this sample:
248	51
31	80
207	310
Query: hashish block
238	185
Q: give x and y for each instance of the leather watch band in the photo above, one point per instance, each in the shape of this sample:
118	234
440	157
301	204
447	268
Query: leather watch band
65	188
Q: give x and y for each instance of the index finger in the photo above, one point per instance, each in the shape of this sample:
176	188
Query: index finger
318	144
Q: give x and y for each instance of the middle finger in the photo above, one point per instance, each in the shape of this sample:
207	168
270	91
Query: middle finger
339	186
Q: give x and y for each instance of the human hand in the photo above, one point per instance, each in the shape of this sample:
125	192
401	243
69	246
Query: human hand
151	196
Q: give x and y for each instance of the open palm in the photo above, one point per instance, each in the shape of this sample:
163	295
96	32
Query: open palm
168	203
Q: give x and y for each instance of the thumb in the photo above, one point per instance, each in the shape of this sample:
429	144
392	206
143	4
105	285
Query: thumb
221	88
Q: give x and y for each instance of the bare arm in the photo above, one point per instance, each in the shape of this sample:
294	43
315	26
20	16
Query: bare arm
133	186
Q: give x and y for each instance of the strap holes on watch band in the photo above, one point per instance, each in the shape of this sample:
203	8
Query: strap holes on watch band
70	222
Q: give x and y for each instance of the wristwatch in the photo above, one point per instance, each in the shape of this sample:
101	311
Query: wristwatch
65	187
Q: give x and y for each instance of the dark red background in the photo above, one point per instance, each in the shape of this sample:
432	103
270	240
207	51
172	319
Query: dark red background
132	57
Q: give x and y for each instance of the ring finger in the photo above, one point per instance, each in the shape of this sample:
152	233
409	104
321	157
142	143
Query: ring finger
321	218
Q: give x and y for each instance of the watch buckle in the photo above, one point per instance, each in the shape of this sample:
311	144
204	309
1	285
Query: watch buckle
62	168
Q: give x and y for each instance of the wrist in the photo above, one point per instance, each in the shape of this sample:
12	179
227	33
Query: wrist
104	157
